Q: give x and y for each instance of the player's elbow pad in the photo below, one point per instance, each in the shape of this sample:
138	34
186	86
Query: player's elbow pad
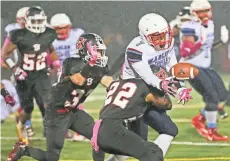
189	48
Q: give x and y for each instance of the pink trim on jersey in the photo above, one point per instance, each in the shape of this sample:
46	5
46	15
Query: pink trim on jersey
94	139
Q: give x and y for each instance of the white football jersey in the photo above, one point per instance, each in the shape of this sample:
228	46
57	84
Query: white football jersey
202	58
67	48
139	50
7	109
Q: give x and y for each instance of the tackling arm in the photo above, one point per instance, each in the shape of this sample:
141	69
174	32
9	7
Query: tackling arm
106	81
159	102
7	50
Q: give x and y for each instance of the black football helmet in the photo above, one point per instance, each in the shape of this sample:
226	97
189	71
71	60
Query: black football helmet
36	20
185	14
95	41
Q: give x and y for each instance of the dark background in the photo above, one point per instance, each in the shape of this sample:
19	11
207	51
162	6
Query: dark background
117	21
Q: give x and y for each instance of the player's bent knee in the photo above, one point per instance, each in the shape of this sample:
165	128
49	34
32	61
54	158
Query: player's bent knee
172	130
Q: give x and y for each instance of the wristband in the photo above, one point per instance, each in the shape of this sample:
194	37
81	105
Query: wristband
10	62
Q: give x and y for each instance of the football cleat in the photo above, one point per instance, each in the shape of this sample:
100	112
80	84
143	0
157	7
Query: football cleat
199	123
213	135
17	152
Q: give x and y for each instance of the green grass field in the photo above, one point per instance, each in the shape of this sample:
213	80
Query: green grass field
187	146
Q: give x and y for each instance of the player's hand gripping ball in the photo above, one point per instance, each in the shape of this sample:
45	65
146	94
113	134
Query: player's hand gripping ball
184	71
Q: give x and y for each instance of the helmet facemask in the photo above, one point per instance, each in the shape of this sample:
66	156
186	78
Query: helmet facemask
63	31
102	59
162	40
203	15
36	24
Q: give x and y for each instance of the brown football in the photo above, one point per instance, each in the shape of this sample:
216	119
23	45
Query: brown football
184	71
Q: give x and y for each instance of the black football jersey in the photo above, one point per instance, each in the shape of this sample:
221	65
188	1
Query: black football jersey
67	94
125	99
33	47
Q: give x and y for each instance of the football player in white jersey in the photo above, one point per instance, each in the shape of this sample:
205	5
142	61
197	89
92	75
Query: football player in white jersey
65	46
9	99
197	39
154	46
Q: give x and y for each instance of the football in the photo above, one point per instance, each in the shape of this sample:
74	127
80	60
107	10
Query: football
184	71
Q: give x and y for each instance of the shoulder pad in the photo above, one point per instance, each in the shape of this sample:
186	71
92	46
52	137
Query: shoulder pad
133	51
52	32
16	35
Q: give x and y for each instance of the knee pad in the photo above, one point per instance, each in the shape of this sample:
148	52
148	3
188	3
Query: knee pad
211	107
28	108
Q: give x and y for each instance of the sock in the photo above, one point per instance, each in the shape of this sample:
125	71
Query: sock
28	123
211	118
117	158
164	141
203	112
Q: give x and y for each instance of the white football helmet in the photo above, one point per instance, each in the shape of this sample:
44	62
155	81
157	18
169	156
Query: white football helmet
20	16
155	30
62	24
202	9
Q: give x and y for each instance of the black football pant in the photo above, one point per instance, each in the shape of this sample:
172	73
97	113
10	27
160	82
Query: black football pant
210	85
56	126
115	138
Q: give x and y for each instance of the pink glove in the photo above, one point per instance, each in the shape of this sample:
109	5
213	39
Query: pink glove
184	95
167	87
56	64
93	54
19	73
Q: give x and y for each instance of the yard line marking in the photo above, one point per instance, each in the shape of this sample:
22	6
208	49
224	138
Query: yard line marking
174	142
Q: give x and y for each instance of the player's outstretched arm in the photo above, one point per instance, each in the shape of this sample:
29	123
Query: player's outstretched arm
159	102
106	81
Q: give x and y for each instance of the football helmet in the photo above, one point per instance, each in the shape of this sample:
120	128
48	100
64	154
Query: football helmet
202	10
20	16
36	20
62	24
95	42
155	30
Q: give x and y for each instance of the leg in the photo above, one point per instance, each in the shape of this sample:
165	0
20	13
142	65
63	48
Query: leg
40	103
43	87
83	123
138	127
163	124
114	138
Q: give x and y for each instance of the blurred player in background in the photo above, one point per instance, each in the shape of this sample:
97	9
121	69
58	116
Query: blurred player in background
34	43
65	46
154	46
9	99
197	40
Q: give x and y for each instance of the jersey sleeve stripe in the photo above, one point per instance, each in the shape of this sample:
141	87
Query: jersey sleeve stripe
188	31
134	51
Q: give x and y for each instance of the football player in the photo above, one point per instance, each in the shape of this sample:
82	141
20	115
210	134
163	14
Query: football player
196	44
20	23
66	95
65	45
34	43
127	100
154	46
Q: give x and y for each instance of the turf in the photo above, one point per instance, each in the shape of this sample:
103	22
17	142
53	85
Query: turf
181	115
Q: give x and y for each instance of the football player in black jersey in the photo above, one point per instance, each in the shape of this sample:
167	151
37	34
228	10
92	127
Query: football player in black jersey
63	113
127	100
34	43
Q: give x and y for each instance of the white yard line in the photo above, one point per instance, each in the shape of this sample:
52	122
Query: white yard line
174	142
